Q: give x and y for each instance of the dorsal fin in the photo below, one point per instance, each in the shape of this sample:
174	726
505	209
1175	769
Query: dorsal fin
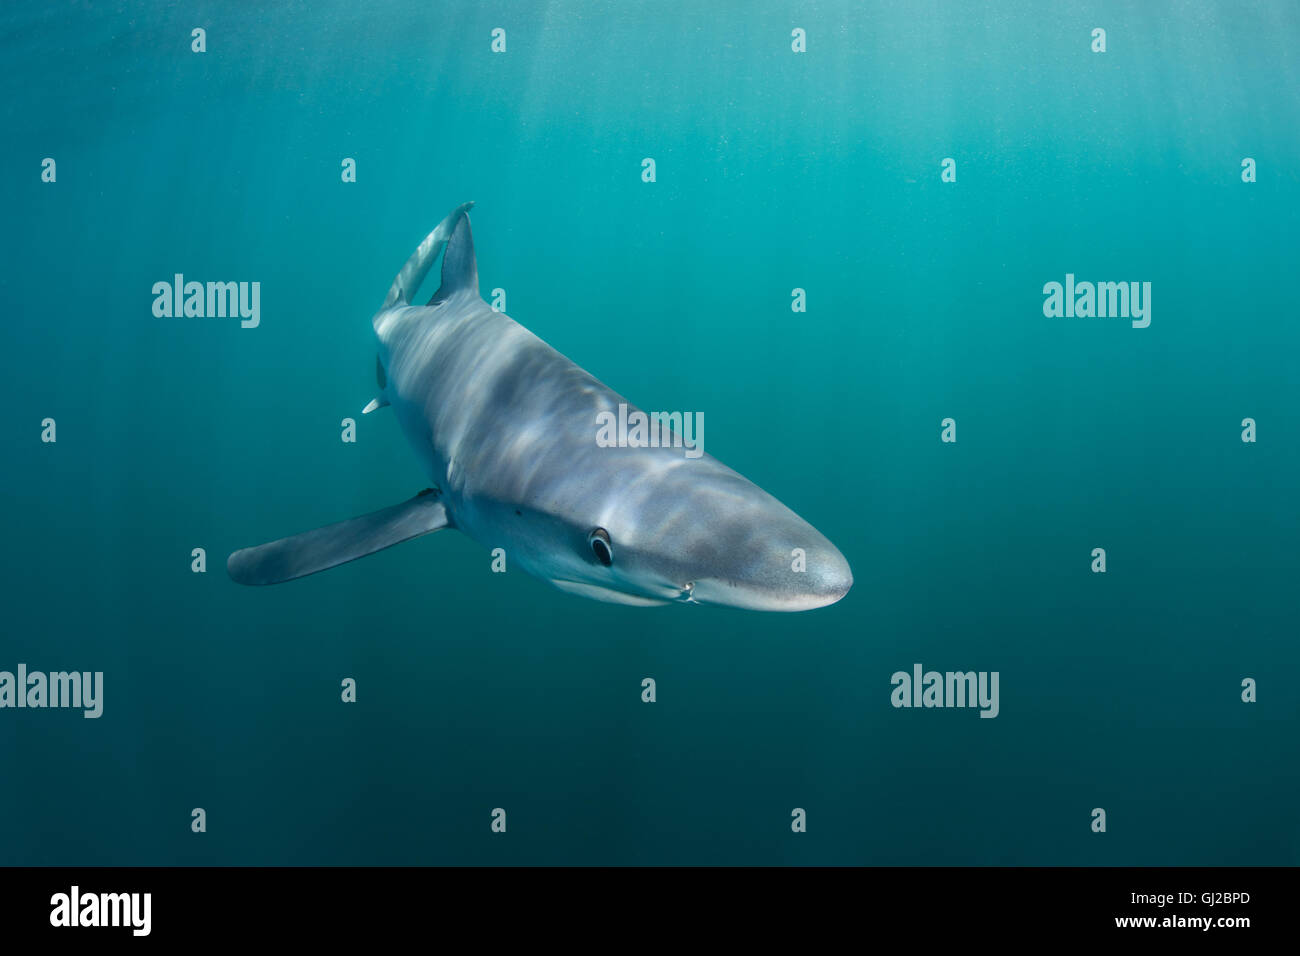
417	266
459	270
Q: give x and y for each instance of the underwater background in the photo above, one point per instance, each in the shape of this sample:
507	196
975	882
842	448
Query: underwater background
774	171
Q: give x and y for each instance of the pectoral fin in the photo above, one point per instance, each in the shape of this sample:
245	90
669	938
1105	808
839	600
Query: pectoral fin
335	544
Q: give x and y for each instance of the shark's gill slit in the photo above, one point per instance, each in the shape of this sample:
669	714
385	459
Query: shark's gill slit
601	546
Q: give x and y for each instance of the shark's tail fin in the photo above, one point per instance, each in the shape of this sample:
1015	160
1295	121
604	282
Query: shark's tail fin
417	267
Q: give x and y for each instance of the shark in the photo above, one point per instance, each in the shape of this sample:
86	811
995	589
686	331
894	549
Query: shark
504	427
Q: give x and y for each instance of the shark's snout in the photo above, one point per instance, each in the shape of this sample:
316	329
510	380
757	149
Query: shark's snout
819	577
829	582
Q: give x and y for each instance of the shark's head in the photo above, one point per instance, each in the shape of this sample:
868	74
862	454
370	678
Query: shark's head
694	532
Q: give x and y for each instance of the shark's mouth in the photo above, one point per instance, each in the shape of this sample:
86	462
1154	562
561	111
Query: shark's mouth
707	592
598	593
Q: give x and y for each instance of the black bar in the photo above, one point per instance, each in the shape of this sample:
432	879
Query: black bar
335	905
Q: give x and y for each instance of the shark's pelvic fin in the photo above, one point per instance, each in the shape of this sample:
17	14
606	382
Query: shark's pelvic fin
417	267
336	544
459	270
380	400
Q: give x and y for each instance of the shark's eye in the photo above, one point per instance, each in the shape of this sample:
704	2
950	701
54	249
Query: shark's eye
601	546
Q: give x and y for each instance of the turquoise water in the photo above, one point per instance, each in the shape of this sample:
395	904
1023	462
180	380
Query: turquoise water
774	171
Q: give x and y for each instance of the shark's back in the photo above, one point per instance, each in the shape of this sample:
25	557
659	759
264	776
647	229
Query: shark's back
500	414
495	413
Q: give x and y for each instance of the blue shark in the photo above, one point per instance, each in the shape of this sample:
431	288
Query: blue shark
505	429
